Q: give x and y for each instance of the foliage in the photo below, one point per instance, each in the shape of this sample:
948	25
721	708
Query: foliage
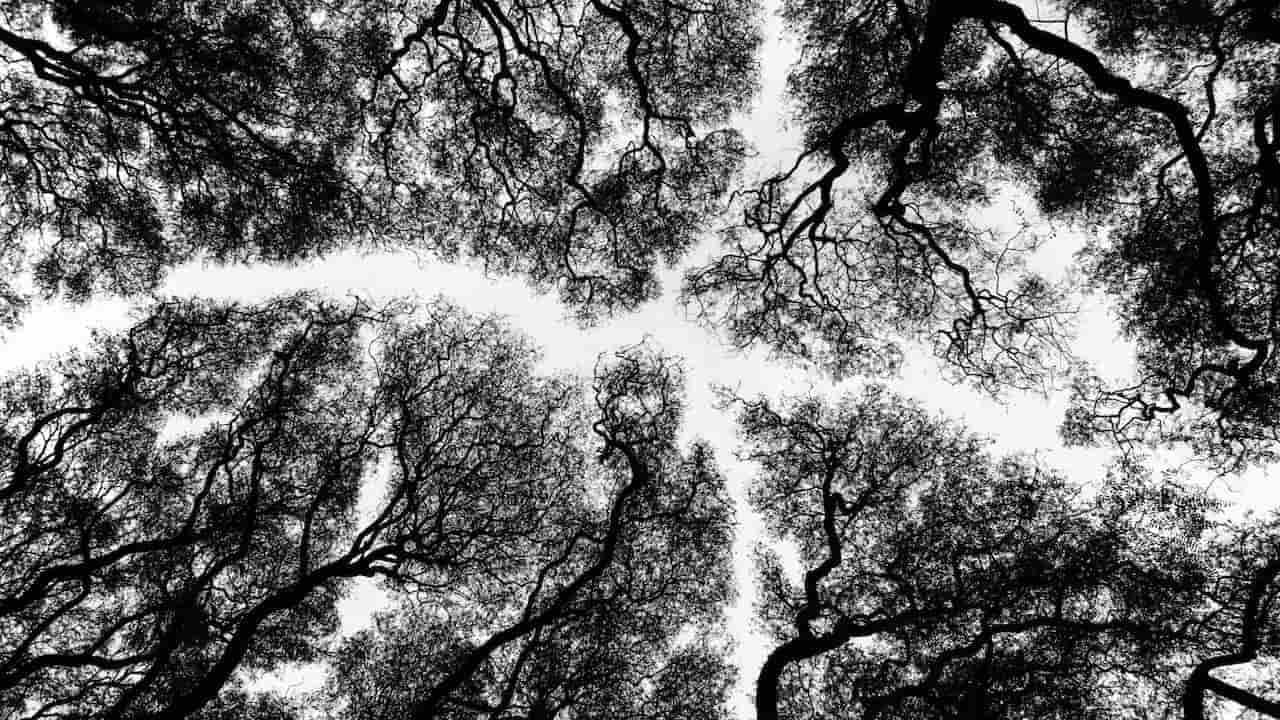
1151	128
144	566
940	581
578	143
185	503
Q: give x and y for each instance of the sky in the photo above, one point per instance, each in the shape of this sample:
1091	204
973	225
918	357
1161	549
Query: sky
1025	423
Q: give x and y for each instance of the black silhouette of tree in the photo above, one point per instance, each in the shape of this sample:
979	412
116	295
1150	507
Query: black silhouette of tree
580	143
1153	126
1245	601
617	653
185	503
144	567
939	581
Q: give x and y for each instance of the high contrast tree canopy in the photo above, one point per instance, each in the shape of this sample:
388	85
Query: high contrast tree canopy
145	565
939	581
185	504
1156	128
577	142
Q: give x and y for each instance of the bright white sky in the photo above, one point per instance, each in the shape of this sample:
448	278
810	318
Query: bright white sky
1026	423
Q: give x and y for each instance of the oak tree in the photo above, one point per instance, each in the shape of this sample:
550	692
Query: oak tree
938	580
578	143
188	500
185	503
1153	130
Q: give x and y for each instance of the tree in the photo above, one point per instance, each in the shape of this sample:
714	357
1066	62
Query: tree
577	143
186	502
939	581
617	654
145	566
1154	128
1248	627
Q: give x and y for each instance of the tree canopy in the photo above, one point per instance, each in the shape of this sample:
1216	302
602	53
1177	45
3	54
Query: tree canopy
145	564
1152	128
186	503
578	143
938	580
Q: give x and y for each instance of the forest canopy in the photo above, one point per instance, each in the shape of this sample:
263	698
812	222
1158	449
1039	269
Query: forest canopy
185	503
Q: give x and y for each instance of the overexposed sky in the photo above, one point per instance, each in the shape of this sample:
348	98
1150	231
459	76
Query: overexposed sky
1026	423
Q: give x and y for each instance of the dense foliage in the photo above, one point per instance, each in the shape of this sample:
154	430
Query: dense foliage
191	498
185	504
1154	129
940	581
576	142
